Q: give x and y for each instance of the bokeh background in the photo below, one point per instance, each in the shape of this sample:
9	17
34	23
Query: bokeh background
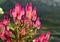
47	10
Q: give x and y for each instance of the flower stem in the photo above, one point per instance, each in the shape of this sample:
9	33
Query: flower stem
18	36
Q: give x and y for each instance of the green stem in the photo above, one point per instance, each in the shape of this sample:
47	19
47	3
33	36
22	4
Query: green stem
18	36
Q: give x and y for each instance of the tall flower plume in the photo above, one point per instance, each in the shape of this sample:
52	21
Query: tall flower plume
24	26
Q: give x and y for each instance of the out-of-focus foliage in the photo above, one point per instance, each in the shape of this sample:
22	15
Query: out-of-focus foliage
2	1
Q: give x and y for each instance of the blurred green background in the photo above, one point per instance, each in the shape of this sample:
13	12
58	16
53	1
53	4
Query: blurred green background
47	10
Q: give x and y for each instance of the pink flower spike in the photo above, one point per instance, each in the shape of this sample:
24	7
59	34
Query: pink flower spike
30	7
14	13
5	22
8	39
25	20
34	15
23	32
38	24
34	10
47	36
17	8
8	32
41	38
19	16
36	39
2	36
45	40
30	23
26	7
11	12
2	27
8	20
28	14
29	11
5	16
22	11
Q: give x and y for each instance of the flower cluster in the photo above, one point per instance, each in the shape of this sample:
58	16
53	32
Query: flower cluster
28	17
43	37
23	27
4	32
26	20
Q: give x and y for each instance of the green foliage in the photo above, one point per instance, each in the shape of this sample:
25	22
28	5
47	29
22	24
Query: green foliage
10	27
25	37
1	40
12	36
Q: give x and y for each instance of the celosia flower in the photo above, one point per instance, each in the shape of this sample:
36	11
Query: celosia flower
25	20
28	14
8	32
5	16
6	21
8	39
30	23
34	15
30	7
2	26
37	24
26	7
13	13
47	35
17	8
29	11
23	32
41	38
45	40
36	39
20	14
4	29
22	11
2	36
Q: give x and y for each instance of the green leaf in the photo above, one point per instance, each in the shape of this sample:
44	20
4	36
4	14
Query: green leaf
10	27
13	40
25	37
12	36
